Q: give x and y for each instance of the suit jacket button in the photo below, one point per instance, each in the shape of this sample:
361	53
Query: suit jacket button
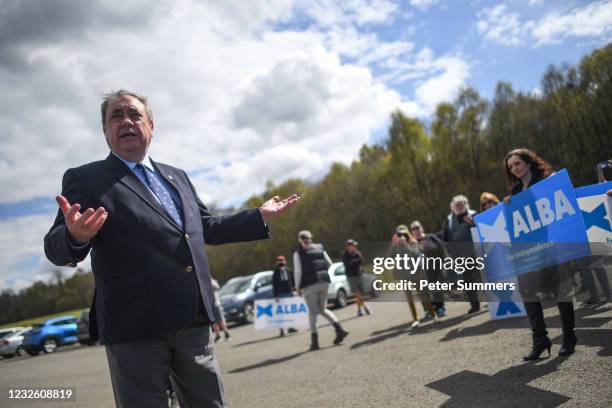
189	268
187	237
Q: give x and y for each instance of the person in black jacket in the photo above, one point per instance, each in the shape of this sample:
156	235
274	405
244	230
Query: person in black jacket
311	268
524	168
282	284
351	258
456	233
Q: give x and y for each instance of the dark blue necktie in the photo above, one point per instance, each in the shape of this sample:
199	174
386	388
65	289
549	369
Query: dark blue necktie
162	194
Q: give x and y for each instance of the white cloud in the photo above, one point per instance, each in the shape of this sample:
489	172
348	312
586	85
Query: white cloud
423	4
502	26
22	260
360	12
194	75
444	86
594	20
237	100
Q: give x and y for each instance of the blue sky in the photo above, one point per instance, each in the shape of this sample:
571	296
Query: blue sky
246	92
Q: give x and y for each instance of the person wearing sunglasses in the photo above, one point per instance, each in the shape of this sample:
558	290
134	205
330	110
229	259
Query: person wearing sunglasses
487	201
310	267
403	243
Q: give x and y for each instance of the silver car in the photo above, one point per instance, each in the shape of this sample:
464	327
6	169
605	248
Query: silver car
339	290
10	341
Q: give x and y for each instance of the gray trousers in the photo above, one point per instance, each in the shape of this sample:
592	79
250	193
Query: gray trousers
315	296
140	370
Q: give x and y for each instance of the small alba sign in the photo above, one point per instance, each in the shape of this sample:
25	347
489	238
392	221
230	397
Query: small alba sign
288	312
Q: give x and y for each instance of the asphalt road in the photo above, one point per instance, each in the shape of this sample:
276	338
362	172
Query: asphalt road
463	361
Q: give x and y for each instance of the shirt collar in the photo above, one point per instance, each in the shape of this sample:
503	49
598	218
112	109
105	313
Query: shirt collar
145	162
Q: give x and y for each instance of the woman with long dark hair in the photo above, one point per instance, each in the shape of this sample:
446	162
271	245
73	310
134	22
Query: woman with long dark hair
524	168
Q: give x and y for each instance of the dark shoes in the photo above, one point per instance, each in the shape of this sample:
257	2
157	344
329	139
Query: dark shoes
569	345
340	333
314	341
475	308
543	343
290	330
539	345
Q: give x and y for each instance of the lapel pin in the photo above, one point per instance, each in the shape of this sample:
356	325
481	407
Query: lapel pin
170	177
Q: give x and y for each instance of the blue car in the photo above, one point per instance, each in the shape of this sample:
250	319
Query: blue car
239	294
49	335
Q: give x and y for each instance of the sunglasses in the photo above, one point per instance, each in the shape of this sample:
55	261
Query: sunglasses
415	228
488	202
305	238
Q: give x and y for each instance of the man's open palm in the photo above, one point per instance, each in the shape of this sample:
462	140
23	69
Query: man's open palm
81	226
276	206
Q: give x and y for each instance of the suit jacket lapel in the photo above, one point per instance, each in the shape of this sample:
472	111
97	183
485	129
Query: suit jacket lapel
128	178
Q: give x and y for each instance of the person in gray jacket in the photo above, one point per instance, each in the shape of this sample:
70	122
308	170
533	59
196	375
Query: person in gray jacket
310	267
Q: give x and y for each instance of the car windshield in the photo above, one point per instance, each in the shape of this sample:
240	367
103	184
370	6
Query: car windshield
5	333
235	286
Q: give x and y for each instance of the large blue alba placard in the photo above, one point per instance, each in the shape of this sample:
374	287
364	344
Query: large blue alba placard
540	227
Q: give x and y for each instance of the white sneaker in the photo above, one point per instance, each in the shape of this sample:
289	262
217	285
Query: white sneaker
415	324
436	319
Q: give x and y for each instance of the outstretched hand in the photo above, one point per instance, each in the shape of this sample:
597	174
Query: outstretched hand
276	206
81	226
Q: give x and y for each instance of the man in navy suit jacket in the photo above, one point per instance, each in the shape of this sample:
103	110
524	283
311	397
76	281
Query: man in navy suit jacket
146	228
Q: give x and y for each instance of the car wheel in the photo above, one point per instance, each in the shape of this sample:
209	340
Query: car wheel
340	298
249	316
50	345
21	352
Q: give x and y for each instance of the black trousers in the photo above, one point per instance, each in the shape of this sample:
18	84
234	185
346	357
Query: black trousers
538	325
555	281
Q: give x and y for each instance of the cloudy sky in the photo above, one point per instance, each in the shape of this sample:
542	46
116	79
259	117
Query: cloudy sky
247	91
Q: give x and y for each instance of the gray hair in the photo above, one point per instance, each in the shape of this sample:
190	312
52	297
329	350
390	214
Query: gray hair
460	199
110	98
